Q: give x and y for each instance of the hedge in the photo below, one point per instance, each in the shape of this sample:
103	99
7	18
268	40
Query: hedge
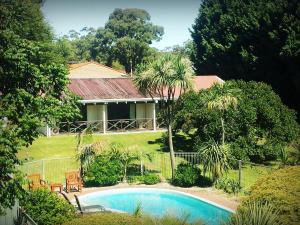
282	190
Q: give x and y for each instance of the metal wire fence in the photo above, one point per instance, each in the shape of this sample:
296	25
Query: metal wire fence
53	170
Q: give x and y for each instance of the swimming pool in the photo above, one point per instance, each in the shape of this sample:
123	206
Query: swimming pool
158	202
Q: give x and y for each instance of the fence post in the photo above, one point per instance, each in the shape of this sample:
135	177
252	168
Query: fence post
240	173
43	169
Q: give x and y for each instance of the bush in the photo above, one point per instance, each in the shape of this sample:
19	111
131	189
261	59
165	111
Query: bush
125	219
151	178
282	190
255	213
229	185
105	170
105	219
187	175
46	208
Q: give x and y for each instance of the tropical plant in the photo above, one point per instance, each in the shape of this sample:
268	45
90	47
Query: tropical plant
47	208
165	77
256	213
214	158
87	150
222	103
127	158
187	175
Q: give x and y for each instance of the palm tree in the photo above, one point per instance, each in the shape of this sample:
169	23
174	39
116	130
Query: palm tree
87	150
163	78
214	158
222	103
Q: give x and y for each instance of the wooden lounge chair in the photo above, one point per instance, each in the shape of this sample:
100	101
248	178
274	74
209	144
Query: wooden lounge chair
89	208
73	180
35	181
84	209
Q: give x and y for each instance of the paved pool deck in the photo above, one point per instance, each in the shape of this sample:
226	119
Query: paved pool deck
209	194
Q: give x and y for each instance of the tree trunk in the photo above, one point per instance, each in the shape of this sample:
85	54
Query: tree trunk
172	155
223	131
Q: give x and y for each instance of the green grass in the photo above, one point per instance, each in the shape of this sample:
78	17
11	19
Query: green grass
43	151
65	145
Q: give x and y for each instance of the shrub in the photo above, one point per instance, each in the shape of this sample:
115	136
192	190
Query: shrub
46	208
255	213
105	219
151	178
229	185
105	170
187	175
282	190
125	219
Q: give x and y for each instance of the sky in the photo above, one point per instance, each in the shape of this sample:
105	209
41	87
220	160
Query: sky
176	16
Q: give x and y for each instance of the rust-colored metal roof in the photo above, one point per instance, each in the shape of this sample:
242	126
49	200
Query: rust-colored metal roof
123	88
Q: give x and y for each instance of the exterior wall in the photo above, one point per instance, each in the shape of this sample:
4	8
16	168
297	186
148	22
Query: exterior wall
149	110
10	215
94	112
132	111
141	110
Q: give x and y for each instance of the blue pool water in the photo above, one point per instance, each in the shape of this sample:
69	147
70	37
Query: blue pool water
158	202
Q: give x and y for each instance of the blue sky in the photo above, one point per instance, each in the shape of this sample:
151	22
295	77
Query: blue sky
176	16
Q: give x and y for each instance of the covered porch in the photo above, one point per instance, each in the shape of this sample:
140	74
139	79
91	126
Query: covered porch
117	116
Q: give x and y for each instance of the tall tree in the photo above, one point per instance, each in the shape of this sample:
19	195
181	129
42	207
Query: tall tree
32	87
126	37
251	40
166	77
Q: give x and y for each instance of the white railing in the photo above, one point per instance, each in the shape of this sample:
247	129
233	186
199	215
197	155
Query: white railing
98	126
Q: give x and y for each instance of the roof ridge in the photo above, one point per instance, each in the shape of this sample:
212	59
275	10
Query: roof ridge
98	64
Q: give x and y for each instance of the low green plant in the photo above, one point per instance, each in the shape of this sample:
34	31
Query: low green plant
255	213
126	219
151	178
105	170
46	208
187	175
281	190
228	185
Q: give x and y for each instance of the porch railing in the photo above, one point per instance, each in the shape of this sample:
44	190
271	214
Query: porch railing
110	125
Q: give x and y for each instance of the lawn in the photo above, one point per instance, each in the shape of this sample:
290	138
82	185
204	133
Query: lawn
52	157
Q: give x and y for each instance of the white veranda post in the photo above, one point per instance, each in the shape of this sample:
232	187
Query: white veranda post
104	117
154	116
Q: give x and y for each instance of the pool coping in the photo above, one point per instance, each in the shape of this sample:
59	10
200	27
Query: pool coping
209	195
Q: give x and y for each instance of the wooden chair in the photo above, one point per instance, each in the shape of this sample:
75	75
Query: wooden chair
73	180
35	181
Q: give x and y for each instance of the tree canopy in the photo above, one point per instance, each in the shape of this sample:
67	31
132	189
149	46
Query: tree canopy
33	89
124	40
256	129
251	40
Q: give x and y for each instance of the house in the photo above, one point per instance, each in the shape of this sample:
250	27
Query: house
111	102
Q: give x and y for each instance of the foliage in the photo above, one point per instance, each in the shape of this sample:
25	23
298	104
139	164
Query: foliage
125	219
25	19
125	40
256	130
105	170
162	78
187	175
229	185
46	208
32	85
11	179
251	40
151	178
281	190
255	213
214	158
